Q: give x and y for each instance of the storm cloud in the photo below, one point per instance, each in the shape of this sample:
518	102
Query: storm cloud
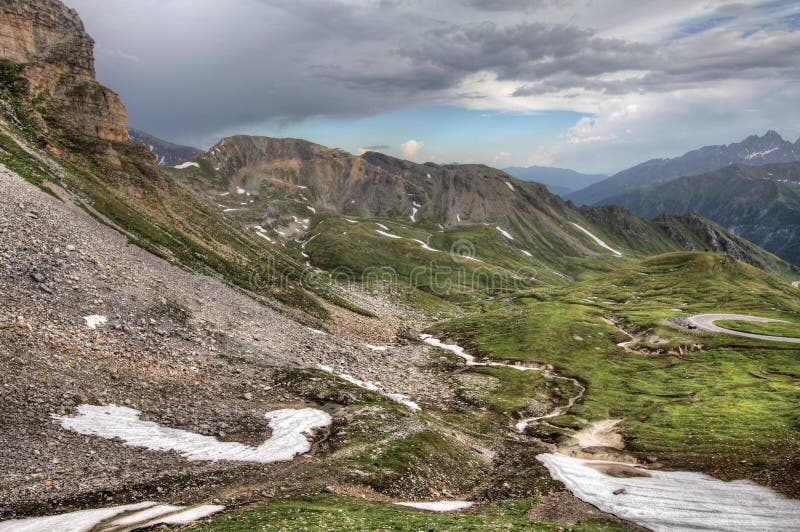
193	70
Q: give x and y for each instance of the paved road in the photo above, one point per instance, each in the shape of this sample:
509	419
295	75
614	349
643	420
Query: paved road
705	322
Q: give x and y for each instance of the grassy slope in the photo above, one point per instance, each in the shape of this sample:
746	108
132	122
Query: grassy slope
338	513
121	182
788	330
735	400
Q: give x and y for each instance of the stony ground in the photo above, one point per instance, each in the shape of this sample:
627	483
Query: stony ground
185	349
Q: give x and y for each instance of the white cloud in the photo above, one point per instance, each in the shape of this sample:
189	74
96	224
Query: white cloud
502	159
410	148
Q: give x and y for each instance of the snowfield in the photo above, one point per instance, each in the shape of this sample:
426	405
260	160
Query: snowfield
185	165
675	500
289	429
129	516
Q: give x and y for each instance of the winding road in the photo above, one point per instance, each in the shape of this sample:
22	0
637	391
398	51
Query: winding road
705	322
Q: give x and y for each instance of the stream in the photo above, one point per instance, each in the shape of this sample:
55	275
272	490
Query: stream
659	500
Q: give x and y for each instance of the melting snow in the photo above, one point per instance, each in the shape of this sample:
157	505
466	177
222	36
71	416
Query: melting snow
676	500
312	209
438	506
383	227
371	386
510	185
93	321
224	193
240	190
528	253
756	154
141	515
350	221
187	165
377	347
289	429
384	233
301	186
505	233
425	246
597	240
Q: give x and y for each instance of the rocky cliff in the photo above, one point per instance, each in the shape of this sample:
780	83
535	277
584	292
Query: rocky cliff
49	39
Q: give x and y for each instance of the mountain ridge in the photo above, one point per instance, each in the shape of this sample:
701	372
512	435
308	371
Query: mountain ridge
766	149
167	153
759	203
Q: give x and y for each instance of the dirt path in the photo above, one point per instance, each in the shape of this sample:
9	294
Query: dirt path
705	322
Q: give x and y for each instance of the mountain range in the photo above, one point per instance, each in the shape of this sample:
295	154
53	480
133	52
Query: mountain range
561	181
274	333
167	153
754	150
759	203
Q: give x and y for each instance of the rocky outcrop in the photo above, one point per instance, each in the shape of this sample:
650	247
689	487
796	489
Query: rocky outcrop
50	40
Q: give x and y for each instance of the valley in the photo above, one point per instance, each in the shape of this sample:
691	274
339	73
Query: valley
275	334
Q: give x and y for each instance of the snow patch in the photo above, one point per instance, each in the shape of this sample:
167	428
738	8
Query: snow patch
379	348
675	500
505	233
383	227
186	165
526	253
384	233
289	429
312	209
509	185
424	246
94	320
141	515
756	154
371	386
597	240
438	506
240	190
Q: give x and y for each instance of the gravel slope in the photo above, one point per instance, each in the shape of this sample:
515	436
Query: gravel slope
186	350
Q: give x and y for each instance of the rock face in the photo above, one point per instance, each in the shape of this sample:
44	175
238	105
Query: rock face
50	39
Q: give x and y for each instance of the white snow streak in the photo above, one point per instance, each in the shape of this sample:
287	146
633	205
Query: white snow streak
240	190
384	233
505	233
371	386
438	506
528	253
289	427
186	165
597	240
510	185
312	209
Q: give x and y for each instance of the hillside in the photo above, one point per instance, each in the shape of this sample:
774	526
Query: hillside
262	337
561	181
167	153
759	203
754	150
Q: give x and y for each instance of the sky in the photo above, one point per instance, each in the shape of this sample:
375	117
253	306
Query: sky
596	86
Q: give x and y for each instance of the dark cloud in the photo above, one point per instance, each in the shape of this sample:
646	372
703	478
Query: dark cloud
192	71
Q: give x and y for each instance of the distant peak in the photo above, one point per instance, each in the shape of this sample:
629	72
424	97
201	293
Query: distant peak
772	135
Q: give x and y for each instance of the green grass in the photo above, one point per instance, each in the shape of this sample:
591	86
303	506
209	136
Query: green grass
340	513
736	399
788	330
